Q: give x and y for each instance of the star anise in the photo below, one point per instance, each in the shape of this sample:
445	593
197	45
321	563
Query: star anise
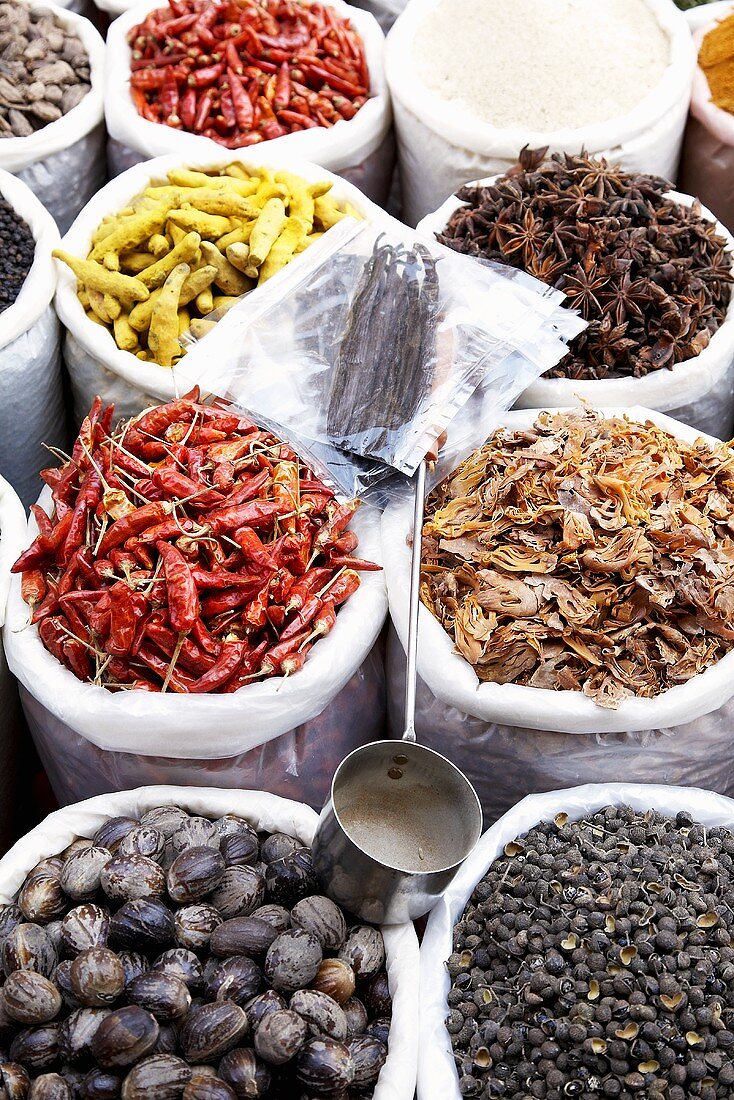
583	288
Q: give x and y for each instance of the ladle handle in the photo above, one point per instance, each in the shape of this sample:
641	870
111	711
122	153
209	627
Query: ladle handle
411	674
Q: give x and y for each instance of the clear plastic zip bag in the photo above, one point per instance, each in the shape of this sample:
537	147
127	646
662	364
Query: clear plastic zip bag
377	345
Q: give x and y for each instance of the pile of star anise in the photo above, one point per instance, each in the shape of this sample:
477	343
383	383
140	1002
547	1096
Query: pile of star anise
652	277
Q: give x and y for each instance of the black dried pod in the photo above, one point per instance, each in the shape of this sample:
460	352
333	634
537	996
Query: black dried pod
247	1075
194	874
236	979
49	1086
80	875
321	1013
239	848
30	998
159	1077
77	1032
133	963
36	1048
291	878
278	846
97	977
61	978
41	898
101	1085
166	819
14	1081
322	918
162	994
335	978
364	951
143	924
194	924
195	832
181	963
368	1057
293	960
210	1031
126	878
378	996
112	831
124	1037
29	947
10	916
259	1007
143	841
379	1029
209	1087
239	891
242	936
325	1066
86	926
356	1016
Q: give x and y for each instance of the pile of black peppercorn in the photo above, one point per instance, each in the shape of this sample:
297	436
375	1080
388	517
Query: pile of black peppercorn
595	959
17	248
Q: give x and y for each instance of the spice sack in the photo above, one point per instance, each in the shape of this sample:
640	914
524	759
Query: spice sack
12	533
512	739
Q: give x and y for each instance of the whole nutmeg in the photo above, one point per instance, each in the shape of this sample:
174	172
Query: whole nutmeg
77	845
29	947
49	1086
195	832
41	898
10	917
280	1036
159	1077
211	1030
368	1057
240	847
236	979
246	1074
321	1013
143	924
277	916
124	1037
36	1049
364	951
291	878
193	926
335	978
167	1040
378	998
61	978
242	936
194	874
181	963
143	841
323	919
30	998
239	891
356	1016
85	926
259	1007
325	1066
76	1033
208	1087
293	960
81	873
101	1085
14	1080
127	877
111	832
162	994
379	1029
278	846
97	977
133	963
166	819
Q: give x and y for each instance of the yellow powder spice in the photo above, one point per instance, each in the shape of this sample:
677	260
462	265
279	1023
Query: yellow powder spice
716	58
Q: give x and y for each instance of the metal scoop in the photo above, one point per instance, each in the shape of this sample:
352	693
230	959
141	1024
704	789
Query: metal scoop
400	818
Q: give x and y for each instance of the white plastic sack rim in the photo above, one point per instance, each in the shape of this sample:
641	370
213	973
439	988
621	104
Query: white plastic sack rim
95	339
12	534
215	726
459	127
661	389
704	13
452	679
437	1076
718	121
19	152
38	289
336	145
267	813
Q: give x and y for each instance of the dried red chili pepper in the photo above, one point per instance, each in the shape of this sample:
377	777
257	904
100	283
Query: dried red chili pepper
183	596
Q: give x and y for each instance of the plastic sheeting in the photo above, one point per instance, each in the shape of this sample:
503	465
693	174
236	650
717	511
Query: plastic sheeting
437	1076
699	392
32	407
12	531
440	146
267	813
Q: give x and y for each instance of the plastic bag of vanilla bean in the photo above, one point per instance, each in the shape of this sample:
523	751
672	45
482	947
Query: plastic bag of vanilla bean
380	345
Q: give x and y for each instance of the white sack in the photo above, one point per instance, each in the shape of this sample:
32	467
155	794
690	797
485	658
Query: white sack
440	146
12	535
95	364
32	405
384	11
266	813
359	149
706	13
699	391
512	740
188	735
437	1076
64	162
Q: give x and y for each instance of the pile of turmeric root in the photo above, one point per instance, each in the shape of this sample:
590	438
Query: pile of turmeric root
189	247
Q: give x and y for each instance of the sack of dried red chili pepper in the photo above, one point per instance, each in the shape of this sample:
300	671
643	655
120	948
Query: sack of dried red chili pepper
195	592
12	535
580	571
32	404
304	77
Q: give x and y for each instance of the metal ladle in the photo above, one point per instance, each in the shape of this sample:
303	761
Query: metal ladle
400	818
